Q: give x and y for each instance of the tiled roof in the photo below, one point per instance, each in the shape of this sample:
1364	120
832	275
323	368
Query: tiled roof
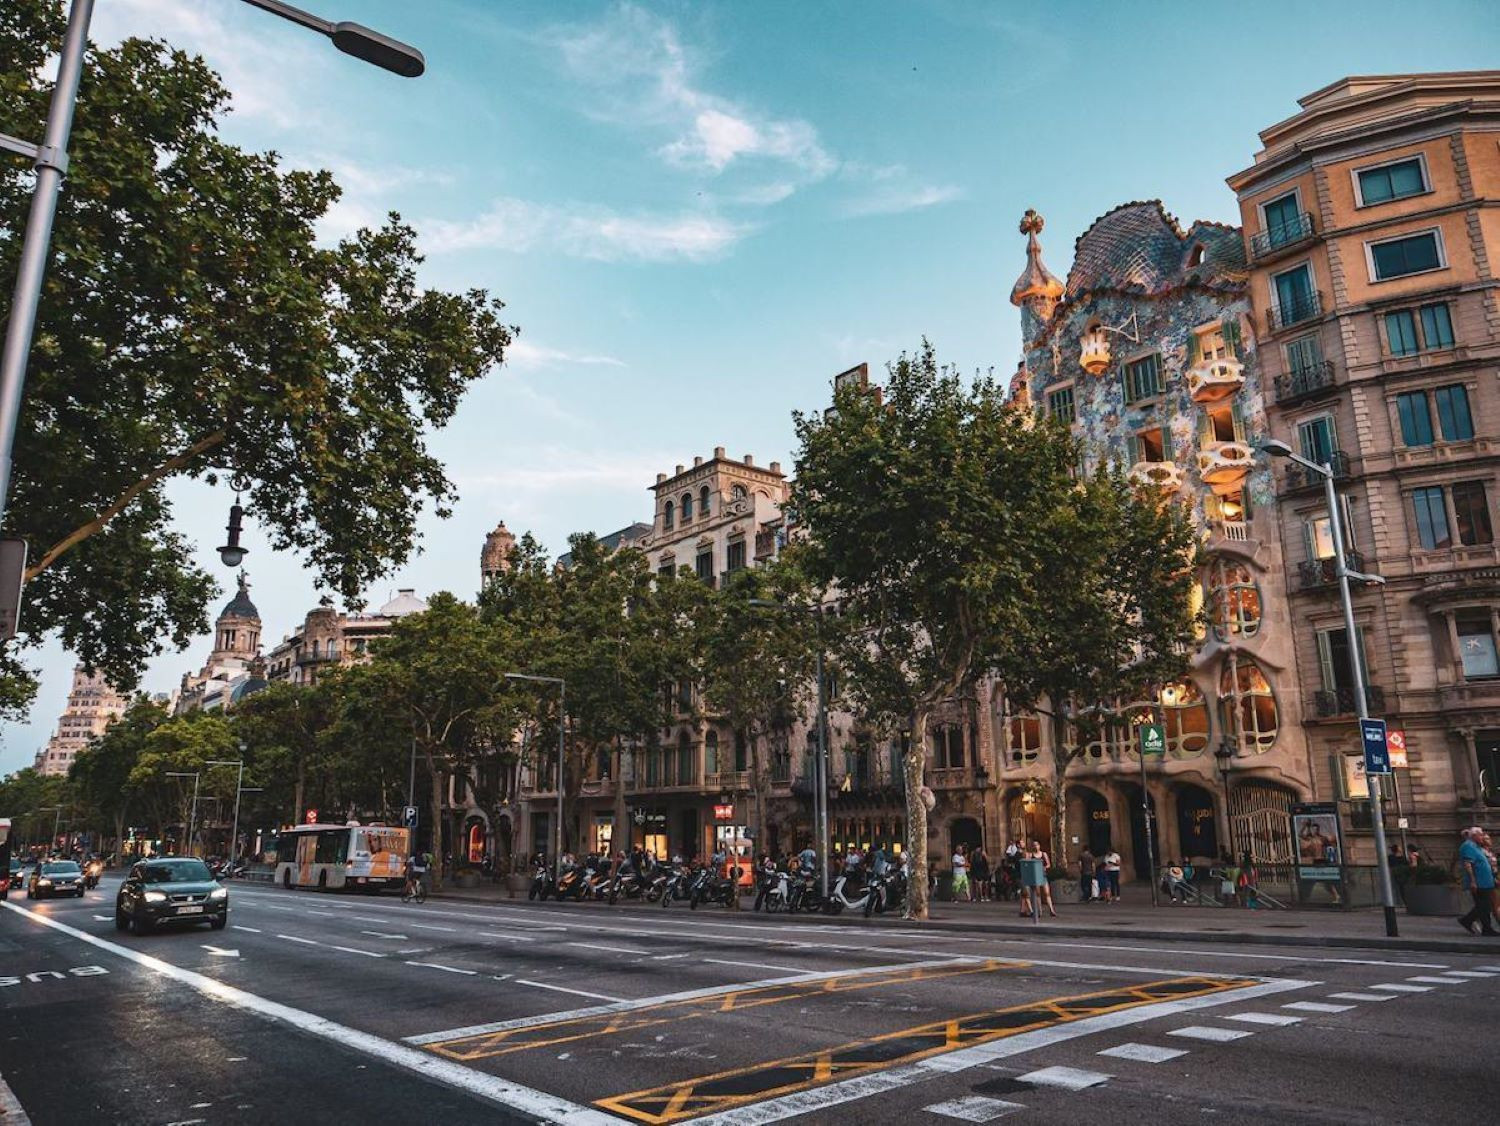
1140	247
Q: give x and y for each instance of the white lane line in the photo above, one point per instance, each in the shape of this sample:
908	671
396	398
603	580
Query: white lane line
450	969
565	989
1380	962
1450	973
945	1064
1496	969
1264	1018
1397	987
357	950
97	919
611	949
11	1112
1066	1078
751	965
685	995
1362	996
510	937
669	957
974	1108
430	927
1144	1053
1436	980
1209	1033
252	930
1316	1007
546	1107
1221	954
385	934
294	938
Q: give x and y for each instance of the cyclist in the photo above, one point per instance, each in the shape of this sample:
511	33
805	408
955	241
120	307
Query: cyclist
416	869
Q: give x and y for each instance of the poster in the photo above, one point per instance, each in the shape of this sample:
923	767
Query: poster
1320	846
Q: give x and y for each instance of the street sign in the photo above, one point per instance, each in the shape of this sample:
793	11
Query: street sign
1153	738
1395	745
723	812
1377	753
410	816
311	818
12	577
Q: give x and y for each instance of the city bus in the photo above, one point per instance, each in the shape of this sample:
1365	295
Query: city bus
328	857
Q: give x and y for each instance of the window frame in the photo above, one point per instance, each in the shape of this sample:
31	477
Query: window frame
1406	442
1054	393
1405	236
1483	512
1324	418
1295	195
1359	187
1475	612
1468	411
1425	492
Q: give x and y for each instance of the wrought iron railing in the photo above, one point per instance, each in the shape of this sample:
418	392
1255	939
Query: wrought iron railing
1280	236
1303	306
1340	701
1300	477
1304	381
1322	572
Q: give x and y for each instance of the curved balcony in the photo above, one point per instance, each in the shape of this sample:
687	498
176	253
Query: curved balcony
1224	465
1211	380
1163	475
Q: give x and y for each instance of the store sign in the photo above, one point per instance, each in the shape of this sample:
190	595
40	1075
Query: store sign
1153	738
1395	745
311	818
724	812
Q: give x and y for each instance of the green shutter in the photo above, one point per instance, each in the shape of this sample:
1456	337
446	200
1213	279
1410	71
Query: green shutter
1230	326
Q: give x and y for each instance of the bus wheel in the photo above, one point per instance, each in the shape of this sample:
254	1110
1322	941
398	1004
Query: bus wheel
323	881
286	879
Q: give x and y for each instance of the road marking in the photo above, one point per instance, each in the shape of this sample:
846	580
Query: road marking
294	938
685	995
1363	996
1317	1007
1052	1028
1435	980
11	1112
385	934
1144	1053
751	965
565	989
1209	1033
357	950
450	969
509	937
1066	1078
100	919
252	930
1458	977
669	957
974	1108
1397	987
502	1092
222	953
430	927
611	949
1263	1018
1223	954
1471	973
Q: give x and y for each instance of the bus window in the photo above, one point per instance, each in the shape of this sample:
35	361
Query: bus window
333	847
286	848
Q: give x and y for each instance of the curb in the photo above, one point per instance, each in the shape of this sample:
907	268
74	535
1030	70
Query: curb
1068	930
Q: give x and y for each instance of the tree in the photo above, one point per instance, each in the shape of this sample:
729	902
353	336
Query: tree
183	744
281	729
101	773
1116	623
30	798
192	325
924	515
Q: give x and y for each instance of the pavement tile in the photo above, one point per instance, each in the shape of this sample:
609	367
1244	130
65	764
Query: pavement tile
975	1108
1067	1078
1144	1053
1204	1032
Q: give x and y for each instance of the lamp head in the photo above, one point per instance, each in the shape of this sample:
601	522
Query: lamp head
1277	448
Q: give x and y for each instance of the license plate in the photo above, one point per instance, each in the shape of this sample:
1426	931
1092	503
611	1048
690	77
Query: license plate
190	910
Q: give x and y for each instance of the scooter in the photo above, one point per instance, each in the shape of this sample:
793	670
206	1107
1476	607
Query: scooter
838	901
778	891
541	883
676	885
91	872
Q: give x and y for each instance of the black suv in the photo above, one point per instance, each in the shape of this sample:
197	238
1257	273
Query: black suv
170	889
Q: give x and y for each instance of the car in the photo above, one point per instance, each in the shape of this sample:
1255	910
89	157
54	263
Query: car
55	877
10	879
168	890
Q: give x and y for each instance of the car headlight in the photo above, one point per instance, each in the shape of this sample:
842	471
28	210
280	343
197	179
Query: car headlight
44	883
219	893
156	897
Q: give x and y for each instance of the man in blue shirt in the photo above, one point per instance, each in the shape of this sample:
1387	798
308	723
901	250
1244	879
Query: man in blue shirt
1479	879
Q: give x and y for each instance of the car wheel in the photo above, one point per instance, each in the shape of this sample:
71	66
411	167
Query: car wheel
219	923
122	921
140	925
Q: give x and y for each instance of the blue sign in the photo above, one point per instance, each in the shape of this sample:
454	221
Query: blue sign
1377	751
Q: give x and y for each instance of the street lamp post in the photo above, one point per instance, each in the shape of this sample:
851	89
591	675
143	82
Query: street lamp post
56	822
1356	660
50	159
562	728
193	816
1224	757
239	788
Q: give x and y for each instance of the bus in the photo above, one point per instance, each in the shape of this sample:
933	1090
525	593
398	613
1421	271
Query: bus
328	857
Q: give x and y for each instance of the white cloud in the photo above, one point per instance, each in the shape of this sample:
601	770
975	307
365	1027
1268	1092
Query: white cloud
895	199
530	356
586	231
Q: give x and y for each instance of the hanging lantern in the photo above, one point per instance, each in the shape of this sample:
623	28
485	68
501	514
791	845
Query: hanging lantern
232	554
1093	350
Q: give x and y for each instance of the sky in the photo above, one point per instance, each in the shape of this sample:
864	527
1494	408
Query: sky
699	213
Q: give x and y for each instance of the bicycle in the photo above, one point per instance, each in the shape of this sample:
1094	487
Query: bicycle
415	891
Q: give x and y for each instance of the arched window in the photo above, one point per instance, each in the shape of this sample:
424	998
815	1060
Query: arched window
668	515
687	772
1233	600
653	769
1185	714
1247	706
1023	736
738	492
711	753
703	505
687	507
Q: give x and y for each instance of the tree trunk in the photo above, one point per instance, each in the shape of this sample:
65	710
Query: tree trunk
760	783
435	812
1059	848
620	834
119	832
912	764
297	791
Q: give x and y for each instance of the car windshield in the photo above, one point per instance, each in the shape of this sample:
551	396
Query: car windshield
61	868
173	871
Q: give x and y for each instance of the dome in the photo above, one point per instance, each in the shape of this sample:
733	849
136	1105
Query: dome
1036	280
406	602
240	605
1139	247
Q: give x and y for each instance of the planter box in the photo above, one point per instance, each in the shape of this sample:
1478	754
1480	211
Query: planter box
1432	899
517	882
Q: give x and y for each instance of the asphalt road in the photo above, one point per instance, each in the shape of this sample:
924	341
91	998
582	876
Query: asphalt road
337	1008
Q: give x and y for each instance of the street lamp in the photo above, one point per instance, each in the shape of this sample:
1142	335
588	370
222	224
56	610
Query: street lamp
239	787
820	763
1224	756
50	159
1356	658
562	728
56	822
193	816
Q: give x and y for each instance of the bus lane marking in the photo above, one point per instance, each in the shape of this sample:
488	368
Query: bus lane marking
565	989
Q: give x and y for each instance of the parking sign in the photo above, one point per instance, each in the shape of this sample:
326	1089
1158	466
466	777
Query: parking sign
1377	751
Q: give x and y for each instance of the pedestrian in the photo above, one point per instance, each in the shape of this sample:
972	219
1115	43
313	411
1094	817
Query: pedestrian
961	876
1086	876
1479	881
1109	887
1176	881
1044	889
981	868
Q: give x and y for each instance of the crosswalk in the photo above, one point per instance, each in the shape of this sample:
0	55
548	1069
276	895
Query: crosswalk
1230	1027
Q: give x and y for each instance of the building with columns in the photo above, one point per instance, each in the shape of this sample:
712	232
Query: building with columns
232	668
92	706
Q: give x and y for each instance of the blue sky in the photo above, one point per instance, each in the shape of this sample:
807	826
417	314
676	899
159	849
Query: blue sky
700	212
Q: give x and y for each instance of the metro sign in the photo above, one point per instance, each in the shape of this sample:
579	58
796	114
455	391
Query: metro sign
311	818
724	812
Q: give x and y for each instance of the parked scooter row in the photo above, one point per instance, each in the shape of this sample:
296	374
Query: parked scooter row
852	889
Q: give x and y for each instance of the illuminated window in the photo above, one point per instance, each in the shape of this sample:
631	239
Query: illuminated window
1185	715
1233	601
1023	732
1247	705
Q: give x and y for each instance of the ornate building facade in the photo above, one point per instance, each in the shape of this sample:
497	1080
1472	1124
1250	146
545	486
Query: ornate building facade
233	667
329	639
92	706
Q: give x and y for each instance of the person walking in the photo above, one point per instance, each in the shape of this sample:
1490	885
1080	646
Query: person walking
1086	868
1109	887
961	876
1479	881
983	887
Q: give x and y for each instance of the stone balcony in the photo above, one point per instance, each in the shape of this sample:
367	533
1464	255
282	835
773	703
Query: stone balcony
1224	465
1164	475
727	781
1211	380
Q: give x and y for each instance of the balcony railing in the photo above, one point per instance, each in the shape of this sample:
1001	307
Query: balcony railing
1321	572
1303	307
1303	382
1281	237
1341	701
727	780
1237	531
1300	478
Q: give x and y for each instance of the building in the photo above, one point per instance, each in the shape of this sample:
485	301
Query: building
231	669
92	706
1148	352
1372	224
329	639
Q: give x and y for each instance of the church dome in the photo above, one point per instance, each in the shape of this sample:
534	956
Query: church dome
240	605
406	602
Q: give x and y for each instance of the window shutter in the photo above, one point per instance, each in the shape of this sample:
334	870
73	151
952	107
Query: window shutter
1325	662
1133	448
1193	349
1238	415
1230	326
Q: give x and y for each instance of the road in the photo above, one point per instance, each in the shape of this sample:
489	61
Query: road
338	1008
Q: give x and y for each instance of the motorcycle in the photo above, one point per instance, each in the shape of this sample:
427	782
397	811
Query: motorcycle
805	895
91	873
676	884
838	900
541	883
776	891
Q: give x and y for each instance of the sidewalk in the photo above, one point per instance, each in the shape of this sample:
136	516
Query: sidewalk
1134	918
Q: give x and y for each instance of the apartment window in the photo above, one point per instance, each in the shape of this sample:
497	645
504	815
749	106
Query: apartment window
1185	714
736	558
687	507
948	747
1432	518
1454	419
1148	445
705	565
1234	601
711	753
1437	326
1296	300
1143	378
1409	254
1409	331
687	773
1303	354
1317	438
1476	645
1471	514
668	514
1391	181
1401	333
703	503
1335	661
1416	418
1283	220
1060	405
1222	424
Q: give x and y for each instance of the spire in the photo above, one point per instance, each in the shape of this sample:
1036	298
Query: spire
1036	281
